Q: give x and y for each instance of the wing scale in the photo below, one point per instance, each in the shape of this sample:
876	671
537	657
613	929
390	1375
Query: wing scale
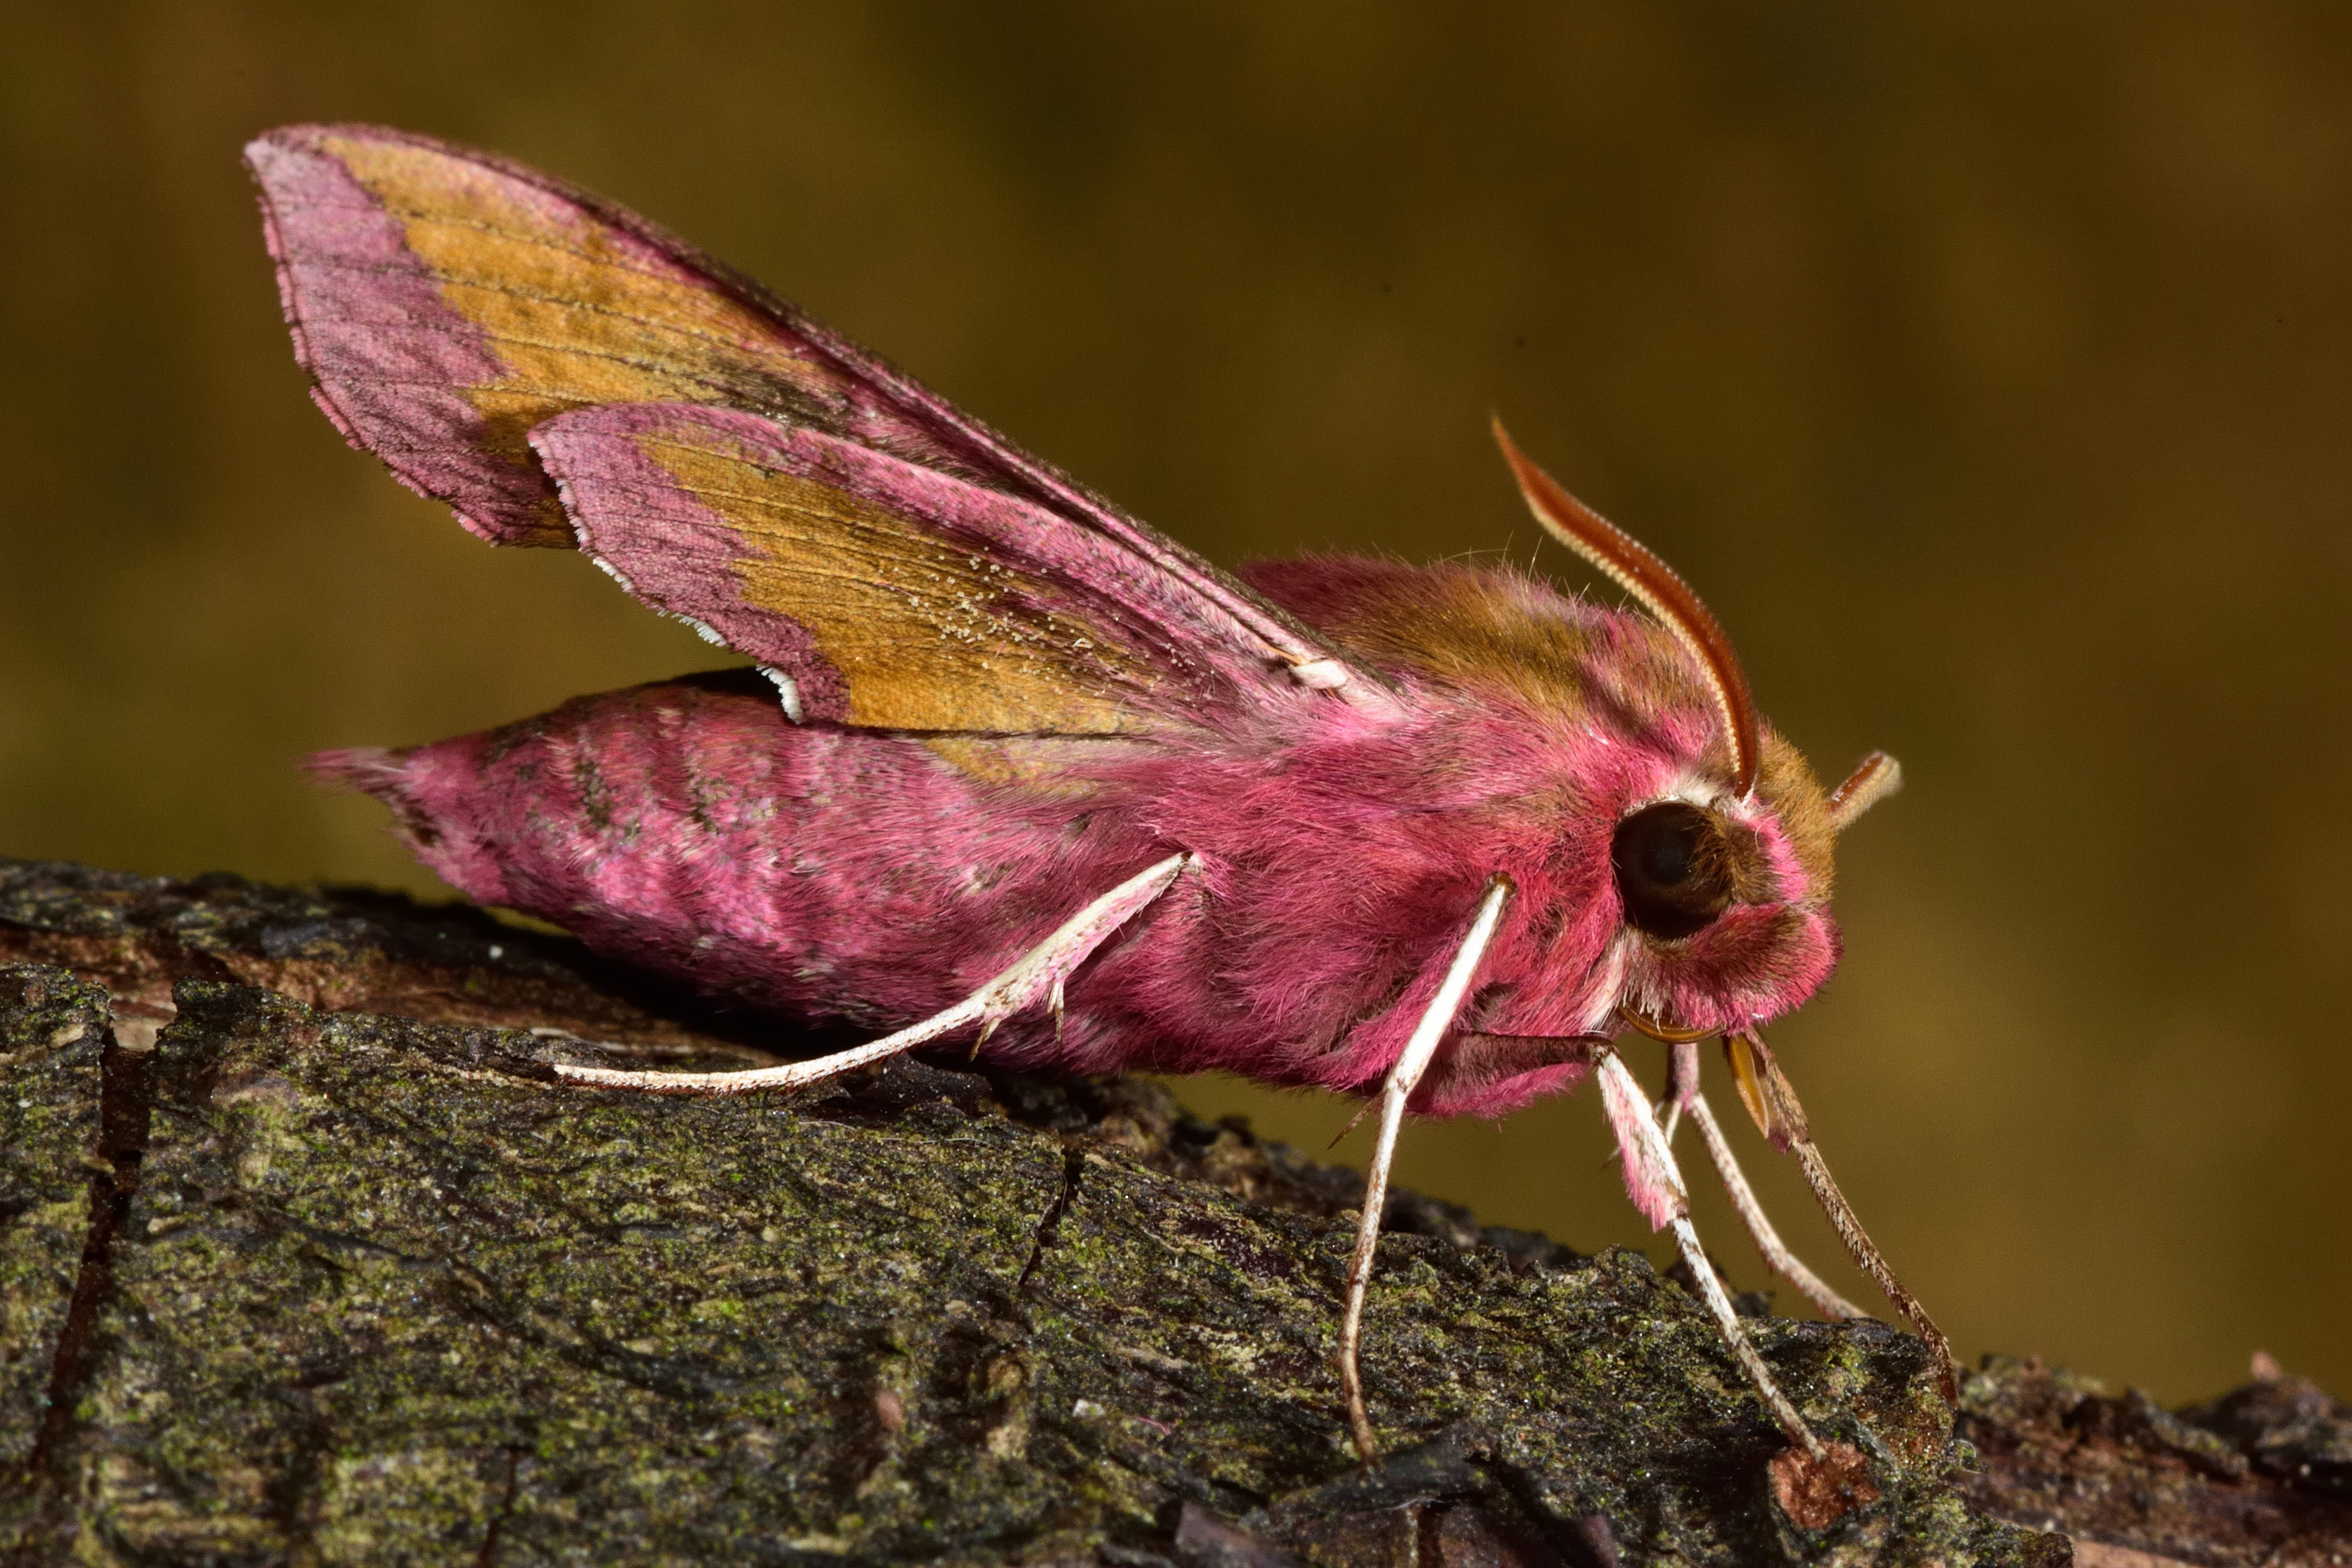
448	304
916	600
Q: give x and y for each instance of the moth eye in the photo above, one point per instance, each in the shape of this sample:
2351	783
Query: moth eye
1673	869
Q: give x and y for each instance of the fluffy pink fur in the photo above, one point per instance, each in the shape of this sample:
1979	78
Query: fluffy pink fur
1342	836
824	871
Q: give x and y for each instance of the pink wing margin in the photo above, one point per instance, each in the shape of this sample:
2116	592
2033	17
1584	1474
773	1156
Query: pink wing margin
395	357
679	549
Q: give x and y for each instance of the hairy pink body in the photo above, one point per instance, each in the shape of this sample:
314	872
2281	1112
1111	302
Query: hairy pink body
827	872
1434	831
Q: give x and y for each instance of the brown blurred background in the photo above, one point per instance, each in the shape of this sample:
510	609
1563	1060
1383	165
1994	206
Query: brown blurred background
1987	367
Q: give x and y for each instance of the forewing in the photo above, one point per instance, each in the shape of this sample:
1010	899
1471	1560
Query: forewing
447	302
884	593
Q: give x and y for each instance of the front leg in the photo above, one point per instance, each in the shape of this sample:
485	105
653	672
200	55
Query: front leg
1683	1096
1435	1019
1656	1185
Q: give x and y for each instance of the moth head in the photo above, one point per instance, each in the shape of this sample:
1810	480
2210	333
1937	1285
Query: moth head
1680	862
1722	890
1723	899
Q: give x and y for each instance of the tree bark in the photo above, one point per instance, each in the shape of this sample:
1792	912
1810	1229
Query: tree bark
306	1258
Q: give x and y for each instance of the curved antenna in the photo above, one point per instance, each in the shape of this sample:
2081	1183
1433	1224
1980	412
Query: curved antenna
1628	563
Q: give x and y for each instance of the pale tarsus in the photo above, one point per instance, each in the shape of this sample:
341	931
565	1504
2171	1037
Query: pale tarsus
1682	1095
1033	979
1658	1191
1404	1078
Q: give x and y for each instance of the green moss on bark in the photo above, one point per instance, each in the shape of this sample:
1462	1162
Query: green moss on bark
385	1293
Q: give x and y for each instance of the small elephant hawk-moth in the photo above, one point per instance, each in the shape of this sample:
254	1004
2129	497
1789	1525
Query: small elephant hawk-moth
1016	768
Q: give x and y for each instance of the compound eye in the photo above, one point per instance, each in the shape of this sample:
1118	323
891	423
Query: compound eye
1674	869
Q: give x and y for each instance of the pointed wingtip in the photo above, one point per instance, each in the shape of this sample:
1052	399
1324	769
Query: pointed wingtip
278	141
261	153
300	137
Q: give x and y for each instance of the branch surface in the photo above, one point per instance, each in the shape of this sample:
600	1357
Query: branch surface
305	1256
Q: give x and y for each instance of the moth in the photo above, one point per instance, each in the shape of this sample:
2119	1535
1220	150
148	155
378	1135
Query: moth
1015	768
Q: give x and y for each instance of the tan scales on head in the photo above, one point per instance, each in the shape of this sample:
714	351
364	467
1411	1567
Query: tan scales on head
1786	784
1494	632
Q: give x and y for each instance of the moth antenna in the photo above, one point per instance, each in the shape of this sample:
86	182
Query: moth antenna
1874	778
1656	587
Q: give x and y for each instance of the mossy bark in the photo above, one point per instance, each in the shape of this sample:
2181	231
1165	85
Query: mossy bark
328	1270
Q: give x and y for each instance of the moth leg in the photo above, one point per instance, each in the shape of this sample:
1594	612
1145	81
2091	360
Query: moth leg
1776	1256
1772	1101
1033	979
1681	1085
1656	1188
1857	1242
750	1055
1683	1096
1435	1019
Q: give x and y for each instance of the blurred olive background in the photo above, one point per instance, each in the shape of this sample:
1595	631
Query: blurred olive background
1987	367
